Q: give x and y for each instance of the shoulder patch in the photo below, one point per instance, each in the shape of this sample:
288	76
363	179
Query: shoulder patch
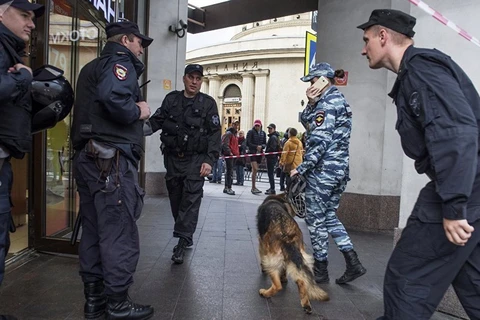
415	103
319	118
215	120
120	72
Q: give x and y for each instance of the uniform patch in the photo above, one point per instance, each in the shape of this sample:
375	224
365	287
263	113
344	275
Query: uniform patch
215	120
319	118
120	72
414	103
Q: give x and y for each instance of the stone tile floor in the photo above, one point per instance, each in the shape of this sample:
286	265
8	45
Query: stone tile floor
219	279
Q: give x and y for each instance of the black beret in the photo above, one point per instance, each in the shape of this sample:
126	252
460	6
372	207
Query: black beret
393	19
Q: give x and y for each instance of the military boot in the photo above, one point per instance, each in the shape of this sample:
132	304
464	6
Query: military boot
179	251
321	272
354	268
120	306
96	300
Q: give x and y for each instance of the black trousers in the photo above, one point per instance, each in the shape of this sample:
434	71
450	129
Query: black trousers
109	247
185	198
6	180
229	173
422	266
271	162
185	191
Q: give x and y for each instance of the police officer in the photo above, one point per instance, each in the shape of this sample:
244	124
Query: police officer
327	119
16	25
107	135
191	142
438	117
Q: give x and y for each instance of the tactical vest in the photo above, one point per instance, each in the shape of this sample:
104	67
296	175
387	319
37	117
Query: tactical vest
90	120
184	131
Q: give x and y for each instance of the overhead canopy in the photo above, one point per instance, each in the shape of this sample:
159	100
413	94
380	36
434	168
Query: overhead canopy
238	12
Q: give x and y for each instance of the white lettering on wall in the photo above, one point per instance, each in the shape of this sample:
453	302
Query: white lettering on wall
106	7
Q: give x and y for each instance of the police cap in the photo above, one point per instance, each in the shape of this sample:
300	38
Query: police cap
193	68
25	5
127	27
393	19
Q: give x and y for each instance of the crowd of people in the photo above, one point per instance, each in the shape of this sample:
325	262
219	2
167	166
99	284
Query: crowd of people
438	128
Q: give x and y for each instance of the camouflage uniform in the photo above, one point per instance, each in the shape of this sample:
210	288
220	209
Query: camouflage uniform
328	124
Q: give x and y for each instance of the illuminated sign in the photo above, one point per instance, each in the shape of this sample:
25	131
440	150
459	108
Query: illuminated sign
310	51
106	7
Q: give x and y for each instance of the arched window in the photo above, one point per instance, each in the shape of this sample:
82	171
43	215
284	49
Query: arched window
232	91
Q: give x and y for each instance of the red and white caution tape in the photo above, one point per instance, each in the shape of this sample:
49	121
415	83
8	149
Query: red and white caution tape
437	15
256	154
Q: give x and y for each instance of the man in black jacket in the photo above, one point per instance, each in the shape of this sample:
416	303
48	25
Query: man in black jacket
107	134
256	143
15	108
191	142
273	145
438	120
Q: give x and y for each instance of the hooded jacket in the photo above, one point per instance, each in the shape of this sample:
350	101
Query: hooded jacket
292	152
230	143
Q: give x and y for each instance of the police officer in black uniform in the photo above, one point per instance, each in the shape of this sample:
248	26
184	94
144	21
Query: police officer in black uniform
107	135
438	119
16	25
191	142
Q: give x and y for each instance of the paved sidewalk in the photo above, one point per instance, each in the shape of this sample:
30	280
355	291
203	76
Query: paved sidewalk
219	279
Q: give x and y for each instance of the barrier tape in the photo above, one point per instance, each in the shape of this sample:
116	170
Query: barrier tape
256	154
437	15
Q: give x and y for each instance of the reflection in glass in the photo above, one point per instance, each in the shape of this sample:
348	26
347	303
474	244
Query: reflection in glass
72	43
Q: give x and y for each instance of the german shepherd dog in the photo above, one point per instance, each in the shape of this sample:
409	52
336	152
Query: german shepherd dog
282	251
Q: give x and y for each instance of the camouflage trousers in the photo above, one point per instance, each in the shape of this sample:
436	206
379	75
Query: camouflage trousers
322	196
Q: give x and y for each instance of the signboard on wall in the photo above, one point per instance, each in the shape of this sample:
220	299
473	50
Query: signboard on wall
107	7
310	51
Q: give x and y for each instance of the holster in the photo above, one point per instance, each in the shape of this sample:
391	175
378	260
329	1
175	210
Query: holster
102	154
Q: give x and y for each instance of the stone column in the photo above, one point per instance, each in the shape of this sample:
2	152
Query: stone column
213	87
205	86
248	91
261	95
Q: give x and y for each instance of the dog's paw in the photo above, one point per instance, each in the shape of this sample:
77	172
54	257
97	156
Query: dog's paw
262	292
307	309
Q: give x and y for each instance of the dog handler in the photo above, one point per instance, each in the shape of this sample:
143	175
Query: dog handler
438	116
327	119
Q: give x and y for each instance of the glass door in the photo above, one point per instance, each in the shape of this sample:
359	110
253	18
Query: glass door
75	37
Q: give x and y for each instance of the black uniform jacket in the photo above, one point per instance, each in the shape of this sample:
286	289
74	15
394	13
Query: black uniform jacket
438	119
188	129
15	99
106	96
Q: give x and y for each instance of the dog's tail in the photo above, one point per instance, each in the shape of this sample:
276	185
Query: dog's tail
299	266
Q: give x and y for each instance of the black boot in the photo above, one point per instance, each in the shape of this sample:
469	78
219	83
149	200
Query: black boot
120	306
354	268
321	272
96	301
179	251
